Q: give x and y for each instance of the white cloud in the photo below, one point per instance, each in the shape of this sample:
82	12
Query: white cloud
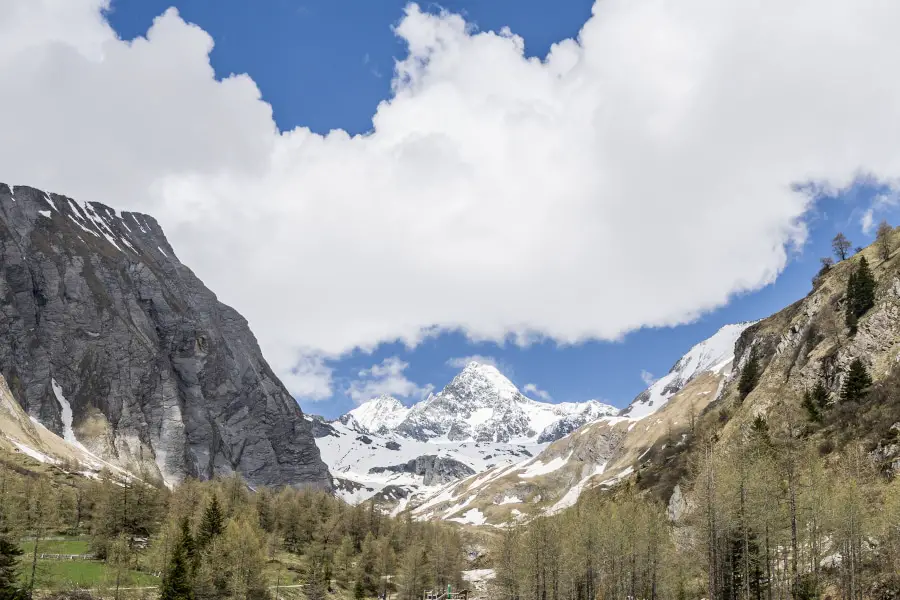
647	377
460	362
534	391
386	378
638	176
310	378
880	203
867	222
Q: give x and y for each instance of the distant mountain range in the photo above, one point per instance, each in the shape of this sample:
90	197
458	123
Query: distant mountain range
479	405
481	423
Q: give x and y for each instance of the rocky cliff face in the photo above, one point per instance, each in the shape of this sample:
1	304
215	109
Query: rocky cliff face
109	340
434	470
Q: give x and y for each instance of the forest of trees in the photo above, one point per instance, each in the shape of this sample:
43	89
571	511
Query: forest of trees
769	518
220	539
774	513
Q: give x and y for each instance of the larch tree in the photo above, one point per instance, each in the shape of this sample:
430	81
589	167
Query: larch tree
343	562
841	246
883	239
412	578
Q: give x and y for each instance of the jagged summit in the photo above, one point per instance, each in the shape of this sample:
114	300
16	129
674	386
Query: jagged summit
714	354
479	404
486	381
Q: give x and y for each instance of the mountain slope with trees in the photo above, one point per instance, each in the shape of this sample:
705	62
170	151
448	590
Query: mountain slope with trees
786	486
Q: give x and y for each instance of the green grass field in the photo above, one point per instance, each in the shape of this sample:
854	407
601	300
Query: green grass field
59	574
73	545
55	575
67	574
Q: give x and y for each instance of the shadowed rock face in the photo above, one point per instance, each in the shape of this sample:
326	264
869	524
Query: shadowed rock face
159	374
432	469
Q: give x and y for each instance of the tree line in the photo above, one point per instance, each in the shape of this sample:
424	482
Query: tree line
221	539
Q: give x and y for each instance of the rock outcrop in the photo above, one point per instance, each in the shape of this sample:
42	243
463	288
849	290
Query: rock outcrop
110	340
434	470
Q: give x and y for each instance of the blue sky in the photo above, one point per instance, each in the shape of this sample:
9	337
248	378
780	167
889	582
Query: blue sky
327	65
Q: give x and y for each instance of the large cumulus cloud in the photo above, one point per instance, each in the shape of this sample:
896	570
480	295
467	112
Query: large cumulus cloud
636	176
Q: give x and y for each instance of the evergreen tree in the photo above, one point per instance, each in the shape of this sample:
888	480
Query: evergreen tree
189	545
820	396
857	382
865	293
749	376
760	425
812	409
177	585
213	523
9	570
850	313
860	293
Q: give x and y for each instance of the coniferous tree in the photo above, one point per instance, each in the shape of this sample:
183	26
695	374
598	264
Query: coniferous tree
865	287
343	562
820	395
212	525
189	545
412	578
850	313
749	376
812	408
359	593
856	383
316	577
883	238
9	570
265	511
366	568
860	293
177	585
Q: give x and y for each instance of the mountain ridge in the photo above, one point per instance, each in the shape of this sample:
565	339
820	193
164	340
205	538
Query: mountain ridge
113	342
478	404
598	454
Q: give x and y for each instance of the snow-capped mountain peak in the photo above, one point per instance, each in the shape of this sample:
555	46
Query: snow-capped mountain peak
378	414
479	404
486	382
714	354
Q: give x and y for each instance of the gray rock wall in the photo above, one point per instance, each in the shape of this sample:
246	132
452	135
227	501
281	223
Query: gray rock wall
159	374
